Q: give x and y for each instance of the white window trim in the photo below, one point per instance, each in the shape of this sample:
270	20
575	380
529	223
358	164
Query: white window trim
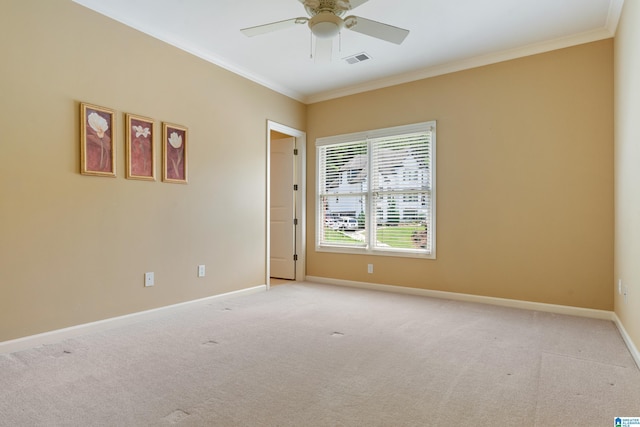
372	134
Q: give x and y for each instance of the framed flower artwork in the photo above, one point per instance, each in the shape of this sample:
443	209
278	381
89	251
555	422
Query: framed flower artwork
97	141
140	148
174	153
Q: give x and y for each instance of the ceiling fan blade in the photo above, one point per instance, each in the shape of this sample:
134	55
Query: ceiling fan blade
274	26
324	50
376	29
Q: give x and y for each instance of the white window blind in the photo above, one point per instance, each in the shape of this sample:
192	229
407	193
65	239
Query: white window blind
376	191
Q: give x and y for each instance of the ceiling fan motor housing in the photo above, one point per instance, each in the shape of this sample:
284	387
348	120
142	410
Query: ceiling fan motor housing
314	7
326	25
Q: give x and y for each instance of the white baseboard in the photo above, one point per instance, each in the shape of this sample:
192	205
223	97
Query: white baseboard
51	337
627	340
58	335
526	305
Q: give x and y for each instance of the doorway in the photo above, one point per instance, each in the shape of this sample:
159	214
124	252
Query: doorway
286	193
284	220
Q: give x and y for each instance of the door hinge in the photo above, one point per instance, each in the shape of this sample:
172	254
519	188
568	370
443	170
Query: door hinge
295	187
295	257
295	221
295	151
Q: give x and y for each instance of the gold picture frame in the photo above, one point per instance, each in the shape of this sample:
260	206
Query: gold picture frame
174	153
97	140
140	148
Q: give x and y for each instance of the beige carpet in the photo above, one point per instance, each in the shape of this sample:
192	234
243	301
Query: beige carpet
318	355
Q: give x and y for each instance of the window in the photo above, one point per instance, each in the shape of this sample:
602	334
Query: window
376	191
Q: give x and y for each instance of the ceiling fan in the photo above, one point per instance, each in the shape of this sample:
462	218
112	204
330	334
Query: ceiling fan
326	21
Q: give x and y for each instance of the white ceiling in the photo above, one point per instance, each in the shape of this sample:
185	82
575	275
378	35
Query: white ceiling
445	36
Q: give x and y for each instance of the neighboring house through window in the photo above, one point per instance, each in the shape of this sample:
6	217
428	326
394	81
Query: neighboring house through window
385	180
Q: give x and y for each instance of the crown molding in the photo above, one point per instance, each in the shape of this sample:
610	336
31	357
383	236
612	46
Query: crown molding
608	31
465	64
177	43
613	18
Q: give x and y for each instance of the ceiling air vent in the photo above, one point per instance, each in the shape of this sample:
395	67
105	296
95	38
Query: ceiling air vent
354	59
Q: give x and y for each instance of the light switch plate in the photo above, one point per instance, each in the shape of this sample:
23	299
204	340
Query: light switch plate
149	280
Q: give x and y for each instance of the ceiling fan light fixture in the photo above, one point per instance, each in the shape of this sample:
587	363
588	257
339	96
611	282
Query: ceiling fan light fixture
326	25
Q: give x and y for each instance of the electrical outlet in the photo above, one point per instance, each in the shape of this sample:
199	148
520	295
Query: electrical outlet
201	271
370	268
148	279
619	286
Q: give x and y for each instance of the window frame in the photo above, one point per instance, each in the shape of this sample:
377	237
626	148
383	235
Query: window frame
370	206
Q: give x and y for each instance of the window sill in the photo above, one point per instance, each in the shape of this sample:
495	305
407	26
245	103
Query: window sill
376	252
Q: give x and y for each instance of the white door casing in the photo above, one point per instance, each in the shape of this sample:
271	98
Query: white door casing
282	209
300	202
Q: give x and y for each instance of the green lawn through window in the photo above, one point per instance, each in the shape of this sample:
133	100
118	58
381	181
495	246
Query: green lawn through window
396	237
335	236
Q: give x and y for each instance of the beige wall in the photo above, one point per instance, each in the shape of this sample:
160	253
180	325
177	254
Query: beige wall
524	178
73	249
627	171
525	175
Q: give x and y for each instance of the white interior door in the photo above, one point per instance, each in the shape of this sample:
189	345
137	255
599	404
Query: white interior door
283	229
